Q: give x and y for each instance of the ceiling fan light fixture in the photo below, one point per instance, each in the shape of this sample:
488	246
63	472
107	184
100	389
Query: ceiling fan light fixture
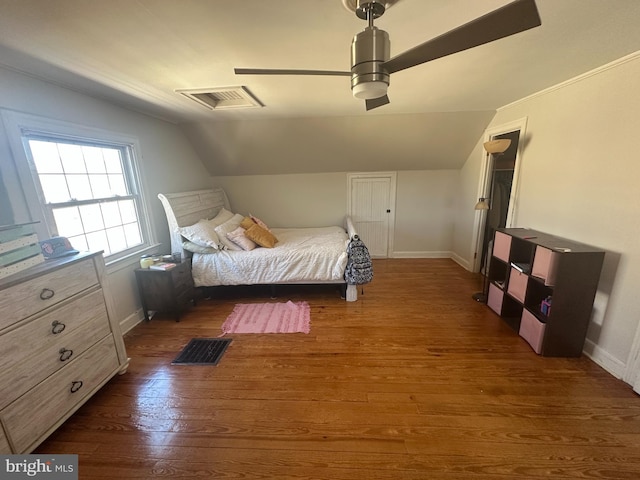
370	90
369	50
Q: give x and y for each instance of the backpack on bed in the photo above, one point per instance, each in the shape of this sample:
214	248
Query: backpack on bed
359	269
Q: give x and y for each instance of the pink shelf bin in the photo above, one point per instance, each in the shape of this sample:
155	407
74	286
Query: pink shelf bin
517	284
532	330
494	299
545	265
502	246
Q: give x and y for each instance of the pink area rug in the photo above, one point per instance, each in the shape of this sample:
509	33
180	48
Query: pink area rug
287	317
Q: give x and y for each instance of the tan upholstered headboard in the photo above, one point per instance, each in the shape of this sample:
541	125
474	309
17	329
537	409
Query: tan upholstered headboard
186	208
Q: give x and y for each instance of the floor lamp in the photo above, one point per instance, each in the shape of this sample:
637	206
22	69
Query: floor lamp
483	207
492	147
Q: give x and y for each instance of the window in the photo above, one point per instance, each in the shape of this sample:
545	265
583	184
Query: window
81	184
87	194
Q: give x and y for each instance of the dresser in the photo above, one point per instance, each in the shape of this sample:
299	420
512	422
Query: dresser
60	342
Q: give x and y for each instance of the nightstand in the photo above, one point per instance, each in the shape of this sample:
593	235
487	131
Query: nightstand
166	290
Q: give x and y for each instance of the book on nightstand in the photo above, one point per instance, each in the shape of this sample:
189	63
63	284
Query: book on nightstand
162	266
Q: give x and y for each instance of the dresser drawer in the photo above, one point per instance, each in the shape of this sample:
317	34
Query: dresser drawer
33	351
4	444
52	401
25	299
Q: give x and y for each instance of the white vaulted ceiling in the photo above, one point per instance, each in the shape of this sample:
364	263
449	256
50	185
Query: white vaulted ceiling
137	53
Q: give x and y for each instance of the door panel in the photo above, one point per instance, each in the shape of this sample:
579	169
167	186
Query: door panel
370	211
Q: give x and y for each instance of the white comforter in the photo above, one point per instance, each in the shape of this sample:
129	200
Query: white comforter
302	255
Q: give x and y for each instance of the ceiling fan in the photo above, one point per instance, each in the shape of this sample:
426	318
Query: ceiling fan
370	62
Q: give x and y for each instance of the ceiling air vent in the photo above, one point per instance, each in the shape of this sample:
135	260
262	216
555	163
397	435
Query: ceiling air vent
222	98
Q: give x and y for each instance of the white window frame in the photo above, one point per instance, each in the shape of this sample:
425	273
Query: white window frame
20	127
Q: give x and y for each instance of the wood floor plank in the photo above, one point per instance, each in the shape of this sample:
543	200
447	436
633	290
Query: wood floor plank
414	381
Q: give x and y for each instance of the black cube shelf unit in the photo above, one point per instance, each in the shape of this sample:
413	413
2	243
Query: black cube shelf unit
544	286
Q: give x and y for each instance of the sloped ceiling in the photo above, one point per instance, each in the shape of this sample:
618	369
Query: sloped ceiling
136	53
421	141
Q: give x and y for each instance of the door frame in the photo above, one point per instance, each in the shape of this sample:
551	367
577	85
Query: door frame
484	183
392	176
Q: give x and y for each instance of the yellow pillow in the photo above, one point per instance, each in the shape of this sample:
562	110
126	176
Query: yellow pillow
262	237
247	223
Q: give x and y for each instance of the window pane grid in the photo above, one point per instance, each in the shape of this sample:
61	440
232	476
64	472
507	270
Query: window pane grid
103	225
88	171
90	192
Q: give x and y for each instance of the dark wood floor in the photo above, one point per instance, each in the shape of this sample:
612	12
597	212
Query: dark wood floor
413	381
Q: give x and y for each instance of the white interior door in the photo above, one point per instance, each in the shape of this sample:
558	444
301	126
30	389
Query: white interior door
372	209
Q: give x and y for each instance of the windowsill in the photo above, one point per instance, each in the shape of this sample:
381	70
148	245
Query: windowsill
130	259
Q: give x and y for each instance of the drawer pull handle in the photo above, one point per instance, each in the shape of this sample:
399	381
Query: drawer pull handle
46	294
76	385
57	327
65	354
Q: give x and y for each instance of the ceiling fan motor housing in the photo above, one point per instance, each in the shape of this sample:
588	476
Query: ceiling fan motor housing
369	50
368	8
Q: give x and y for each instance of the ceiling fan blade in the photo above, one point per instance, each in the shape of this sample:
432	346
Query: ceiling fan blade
513	18
372	103
267	71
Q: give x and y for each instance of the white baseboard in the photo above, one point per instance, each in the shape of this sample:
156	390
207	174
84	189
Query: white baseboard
131	321
611	364
464	263
434	254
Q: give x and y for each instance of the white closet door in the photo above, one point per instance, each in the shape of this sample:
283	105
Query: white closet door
372	203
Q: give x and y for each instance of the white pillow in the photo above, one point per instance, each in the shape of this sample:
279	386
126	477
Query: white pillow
229	226
239	238
202	233
195	248
222	216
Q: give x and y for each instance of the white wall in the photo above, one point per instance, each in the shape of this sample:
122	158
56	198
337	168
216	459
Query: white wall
168	162
465	214
424	205
298	200
425	209
579	179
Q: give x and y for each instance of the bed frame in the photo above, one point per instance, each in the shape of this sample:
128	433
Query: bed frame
186	208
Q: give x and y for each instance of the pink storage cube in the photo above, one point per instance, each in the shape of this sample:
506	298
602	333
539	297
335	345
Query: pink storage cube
494	299
517	284
502	246
545	263
532	330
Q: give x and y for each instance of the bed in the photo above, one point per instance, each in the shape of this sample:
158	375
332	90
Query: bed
300	256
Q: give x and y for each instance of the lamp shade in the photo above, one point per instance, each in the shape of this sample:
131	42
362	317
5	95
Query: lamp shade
482	204
497	146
